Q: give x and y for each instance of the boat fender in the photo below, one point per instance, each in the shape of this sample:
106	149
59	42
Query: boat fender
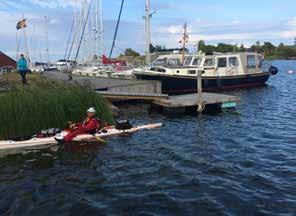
273	70
123	125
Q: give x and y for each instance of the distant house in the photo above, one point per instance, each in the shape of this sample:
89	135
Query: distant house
6	61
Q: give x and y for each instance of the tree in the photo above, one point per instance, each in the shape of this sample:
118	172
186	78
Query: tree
268	48
201	45
131	52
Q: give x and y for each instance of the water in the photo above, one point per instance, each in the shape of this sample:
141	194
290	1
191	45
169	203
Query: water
239	162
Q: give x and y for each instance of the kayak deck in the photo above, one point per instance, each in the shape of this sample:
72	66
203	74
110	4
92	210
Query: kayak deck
36	142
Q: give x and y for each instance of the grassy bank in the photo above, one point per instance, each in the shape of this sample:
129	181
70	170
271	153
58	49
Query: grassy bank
45	104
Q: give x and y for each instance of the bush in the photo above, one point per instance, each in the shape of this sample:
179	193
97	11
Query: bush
25	111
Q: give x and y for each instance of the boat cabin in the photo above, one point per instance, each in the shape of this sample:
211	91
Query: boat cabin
227	64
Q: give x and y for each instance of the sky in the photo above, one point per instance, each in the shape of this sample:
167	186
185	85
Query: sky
229	21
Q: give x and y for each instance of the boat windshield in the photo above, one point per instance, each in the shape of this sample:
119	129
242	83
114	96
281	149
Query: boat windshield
174	62
197	62
188	61
160	62
167	62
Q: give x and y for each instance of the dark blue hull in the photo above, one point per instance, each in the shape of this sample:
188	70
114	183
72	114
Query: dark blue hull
183	84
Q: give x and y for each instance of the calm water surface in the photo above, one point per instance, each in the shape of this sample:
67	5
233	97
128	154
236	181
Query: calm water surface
239	162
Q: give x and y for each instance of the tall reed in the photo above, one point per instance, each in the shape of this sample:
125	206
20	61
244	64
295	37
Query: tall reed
46	104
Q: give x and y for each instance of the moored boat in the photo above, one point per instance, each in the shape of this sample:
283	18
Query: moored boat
219	72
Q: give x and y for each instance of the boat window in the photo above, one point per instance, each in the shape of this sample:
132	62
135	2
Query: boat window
260	60
157	69
191	72
222	62
209	62
196	62
251	61
174	62
188	61
160	62
233	62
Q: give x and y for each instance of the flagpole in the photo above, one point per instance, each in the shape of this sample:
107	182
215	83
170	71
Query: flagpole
17	46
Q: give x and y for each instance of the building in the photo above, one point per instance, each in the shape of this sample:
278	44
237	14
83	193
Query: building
6	61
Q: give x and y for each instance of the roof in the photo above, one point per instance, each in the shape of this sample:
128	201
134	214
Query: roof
5	60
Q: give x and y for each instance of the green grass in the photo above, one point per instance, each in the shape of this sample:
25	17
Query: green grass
45	104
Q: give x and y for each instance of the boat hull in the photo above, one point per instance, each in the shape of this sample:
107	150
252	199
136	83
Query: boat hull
186	84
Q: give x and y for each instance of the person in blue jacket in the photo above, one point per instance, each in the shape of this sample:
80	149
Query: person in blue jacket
22	67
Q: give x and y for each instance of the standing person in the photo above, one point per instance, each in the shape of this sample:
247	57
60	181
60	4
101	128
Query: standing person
22	67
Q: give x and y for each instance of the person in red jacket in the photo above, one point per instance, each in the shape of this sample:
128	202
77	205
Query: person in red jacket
88	126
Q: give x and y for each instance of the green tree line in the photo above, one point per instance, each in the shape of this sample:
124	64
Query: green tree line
270	51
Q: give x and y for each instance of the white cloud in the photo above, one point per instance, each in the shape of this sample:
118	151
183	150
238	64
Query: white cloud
292	22
53	3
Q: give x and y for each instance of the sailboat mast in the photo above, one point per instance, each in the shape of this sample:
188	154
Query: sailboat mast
148	32
101	27
46	37
184	41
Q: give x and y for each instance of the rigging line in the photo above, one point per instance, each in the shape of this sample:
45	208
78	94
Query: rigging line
72	45
69	39
116	29
83	30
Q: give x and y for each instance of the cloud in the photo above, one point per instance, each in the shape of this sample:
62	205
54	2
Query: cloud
52	3
292	22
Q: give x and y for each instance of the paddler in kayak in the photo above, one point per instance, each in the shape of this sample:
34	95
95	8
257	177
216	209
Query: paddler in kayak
89	126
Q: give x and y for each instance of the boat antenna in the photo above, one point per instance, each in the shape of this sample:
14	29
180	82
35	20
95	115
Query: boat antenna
116	29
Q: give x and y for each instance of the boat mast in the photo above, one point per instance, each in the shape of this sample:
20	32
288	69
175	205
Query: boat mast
101	33
148	32
184	41
46	37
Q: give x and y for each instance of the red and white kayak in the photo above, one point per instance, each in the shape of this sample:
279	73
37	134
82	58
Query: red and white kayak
39	142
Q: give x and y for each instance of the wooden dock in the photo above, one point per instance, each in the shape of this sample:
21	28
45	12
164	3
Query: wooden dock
191	100
176	103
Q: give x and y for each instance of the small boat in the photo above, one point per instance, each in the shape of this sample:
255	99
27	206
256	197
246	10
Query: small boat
49	141
219	72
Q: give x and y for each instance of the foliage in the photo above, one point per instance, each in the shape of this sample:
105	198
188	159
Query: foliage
45	104
221	47
163	49
131	52
269	50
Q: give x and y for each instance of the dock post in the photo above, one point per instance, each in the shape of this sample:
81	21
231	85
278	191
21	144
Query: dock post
200	104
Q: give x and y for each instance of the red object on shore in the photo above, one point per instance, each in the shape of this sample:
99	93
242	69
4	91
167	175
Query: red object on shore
6	61
88	126
108	61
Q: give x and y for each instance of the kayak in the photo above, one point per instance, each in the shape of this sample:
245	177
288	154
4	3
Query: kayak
48	141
